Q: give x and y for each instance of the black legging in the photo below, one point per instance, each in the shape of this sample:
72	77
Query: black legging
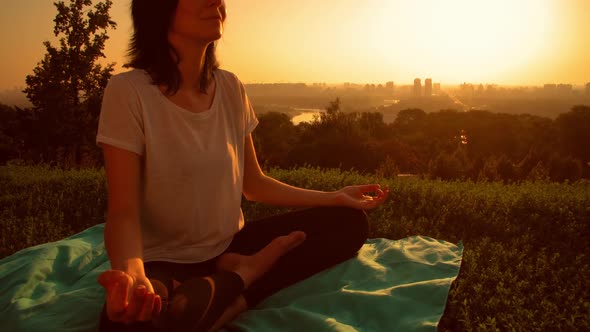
334	234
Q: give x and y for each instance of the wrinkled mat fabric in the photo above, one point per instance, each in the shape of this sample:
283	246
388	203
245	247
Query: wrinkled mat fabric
392	285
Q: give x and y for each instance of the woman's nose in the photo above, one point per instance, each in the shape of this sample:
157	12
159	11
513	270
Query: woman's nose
220	4
216	3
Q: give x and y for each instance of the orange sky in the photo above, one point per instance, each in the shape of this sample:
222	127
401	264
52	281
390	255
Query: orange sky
371	41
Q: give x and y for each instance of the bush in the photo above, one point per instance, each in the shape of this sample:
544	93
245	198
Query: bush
41	204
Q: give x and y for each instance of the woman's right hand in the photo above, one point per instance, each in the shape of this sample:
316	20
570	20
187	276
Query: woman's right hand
129	298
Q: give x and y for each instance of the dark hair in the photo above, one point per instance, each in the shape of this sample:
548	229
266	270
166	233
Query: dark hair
151	51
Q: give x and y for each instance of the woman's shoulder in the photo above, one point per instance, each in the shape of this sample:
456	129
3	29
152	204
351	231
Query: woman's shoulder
134	83
228	76
231	82
136	77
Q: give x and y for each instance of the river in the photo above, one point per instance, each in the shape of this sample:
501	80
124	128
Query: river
306	115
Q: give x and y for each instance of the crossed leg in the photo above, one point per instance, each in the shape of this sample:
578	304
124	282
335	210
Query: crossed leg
250	270
198	303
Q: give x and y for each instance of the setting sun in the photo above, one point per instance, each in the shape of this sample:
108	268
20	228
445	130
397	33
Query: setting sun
452	41
471	40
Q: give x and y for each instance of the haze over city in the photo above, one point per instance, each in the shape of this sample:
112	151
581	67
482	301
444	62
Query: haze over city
505	42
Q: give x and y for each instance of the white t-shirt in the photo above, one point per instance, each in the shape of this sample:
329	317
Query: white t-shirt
193	163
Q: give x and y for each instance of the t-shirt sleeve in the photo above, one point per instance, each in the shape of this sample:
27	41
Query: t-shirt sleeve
250	119
120	122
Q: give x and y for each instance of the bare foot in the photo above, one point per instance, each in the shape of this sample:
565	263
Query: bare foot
253	267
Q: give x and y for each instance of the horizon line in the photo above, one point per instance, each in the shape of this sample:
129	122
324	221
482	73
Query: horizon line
328	83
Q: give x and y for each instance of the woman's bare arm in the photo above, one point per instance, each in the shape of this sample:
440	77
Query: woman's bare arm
261	188
122	231
130	294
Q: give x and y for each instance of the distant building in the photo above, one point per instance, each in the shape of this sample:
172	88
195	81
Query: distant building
436	89
417	87
550	89
467	90
491	89
559	90
370	88
390	86
588	89
480	90
428	87
565	89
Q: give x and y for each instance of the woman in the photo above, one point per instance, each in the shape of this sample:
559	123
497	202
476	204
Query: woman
176	137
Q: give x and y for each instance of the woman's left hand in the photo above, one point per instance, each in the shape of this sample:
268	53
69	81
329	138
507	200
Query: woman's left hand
355	196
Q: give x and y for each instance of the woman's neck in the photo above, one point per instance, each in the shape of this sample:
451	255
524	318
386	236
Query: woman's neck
192	63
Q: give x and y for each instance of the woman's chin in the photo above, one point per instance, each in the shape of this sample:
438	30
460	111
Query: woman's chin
213	36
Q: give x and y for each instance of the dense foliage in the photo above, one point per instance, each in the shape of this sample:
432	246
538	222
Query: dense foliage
525	268
476	145
448	144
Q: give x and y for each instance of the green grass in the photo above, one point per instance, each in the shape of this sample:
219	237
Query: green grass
526	264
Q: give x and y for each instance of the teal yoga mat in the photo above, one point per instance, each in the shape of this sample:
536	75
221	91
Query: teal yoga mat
399	285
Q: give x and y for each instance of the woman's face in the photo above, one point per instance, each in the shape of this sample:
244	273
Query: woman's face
199	20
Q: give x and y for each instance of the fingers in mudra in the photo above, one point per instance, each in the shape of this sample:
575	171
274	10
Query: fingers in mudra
147	310
372	201
139	299
116	285
121	306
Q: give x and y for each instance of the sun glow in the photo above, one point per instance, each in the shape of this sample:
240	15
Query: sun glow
368	41
452	41
463	39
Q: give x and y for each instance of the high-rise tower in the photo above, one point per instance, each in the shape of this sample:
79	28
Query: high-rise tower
417	87
428	87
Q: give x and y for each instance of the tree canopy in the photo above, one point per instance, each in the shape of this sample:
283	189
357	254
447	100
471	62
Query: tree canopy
66	86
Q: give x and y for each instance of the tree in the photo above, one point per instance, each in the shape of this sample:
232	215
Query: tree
574	132
506	169
564	168
409	120
448	166
274	138
538	173
9	145
372	125
387	169
66	86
